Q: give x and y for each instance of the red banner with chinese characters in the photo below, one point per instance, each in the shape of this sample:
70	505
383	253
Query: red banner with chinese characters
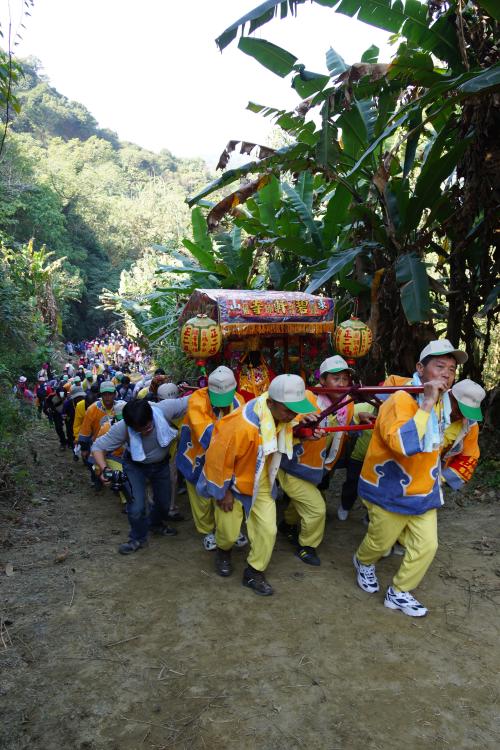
245	312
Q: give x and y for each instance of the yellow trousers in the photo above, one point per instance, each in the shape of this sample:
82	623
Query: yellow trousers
202	510
261	526
418	534
307	505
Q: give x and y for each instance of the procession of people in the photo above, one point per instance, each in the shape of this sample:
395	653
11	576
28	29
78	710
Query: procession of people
146	438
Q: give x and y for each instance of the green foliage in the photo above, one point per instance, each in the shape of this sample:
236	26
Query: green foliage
33	291
274	58
15	420
168	355
93	200
401	213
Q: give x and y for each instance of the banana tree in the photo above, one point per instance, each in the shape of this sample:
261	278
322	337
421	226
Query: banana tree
401	149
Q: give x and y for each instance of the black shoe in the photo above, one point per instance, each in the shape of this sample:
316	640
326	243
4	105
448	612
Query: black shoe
130	546
62	447
308	555
223	566
255	580
176	516
164	531
290	532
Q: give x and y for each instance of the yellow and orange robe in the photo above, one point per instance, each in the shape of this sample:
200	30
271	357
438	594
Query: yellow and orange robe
196	432
397	475
95	417
308	460
460	450
79	417
312	457
234	458
460	453
238	457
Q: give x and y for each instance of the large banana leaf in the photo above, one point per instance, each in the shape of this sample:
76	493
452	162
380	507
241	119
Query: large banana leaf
273	58
411	272
332	266
306	83
491	301
289	157
376	143
257	17
201	248
336	213
305	214
414	124
354	132
427	187
371	54
201	256
395	16
305	189
493	8
335	63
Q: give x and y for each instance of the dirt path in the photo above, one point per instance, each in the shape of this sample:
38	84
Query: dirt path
155	651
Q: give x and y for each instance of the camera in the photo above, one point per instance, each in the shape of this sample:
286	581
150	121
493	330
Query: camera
116	479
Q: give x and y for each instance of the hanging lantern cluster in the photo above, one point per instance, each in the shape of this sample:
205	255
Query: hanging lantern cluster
352	338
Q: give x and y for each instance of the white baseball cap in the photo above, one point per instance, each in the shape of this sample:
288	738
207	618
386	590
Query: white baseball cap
221	386
469	396
443	346
167	390
334	364
22	379
291	391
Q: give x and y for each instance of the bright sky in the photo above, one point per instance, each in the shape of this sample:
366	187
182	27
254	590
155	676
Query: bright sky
151	71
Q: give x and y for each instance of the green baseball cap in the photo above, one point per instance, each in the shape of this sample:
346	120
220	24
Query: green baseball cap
469	396
107	387
221	386
334	364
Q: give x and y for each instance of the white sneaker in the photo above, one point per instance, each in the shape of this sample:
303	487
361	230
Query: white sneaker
242	541
397	549
209	542
342	513
367	580
404	601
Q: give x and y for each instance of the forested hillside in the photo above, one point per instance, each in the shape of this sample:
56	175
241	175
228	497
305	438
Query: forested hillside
93	201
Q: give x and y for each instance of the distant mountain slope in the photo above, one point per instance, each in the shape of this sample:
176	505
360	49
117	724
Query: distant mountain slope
96	200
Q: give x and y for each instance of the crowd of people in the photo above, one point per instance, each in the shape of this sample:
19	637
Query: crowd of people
148	439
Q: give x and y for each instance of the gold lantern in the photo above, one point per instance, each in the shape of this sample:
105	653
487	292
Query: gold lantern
201	337
352	338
